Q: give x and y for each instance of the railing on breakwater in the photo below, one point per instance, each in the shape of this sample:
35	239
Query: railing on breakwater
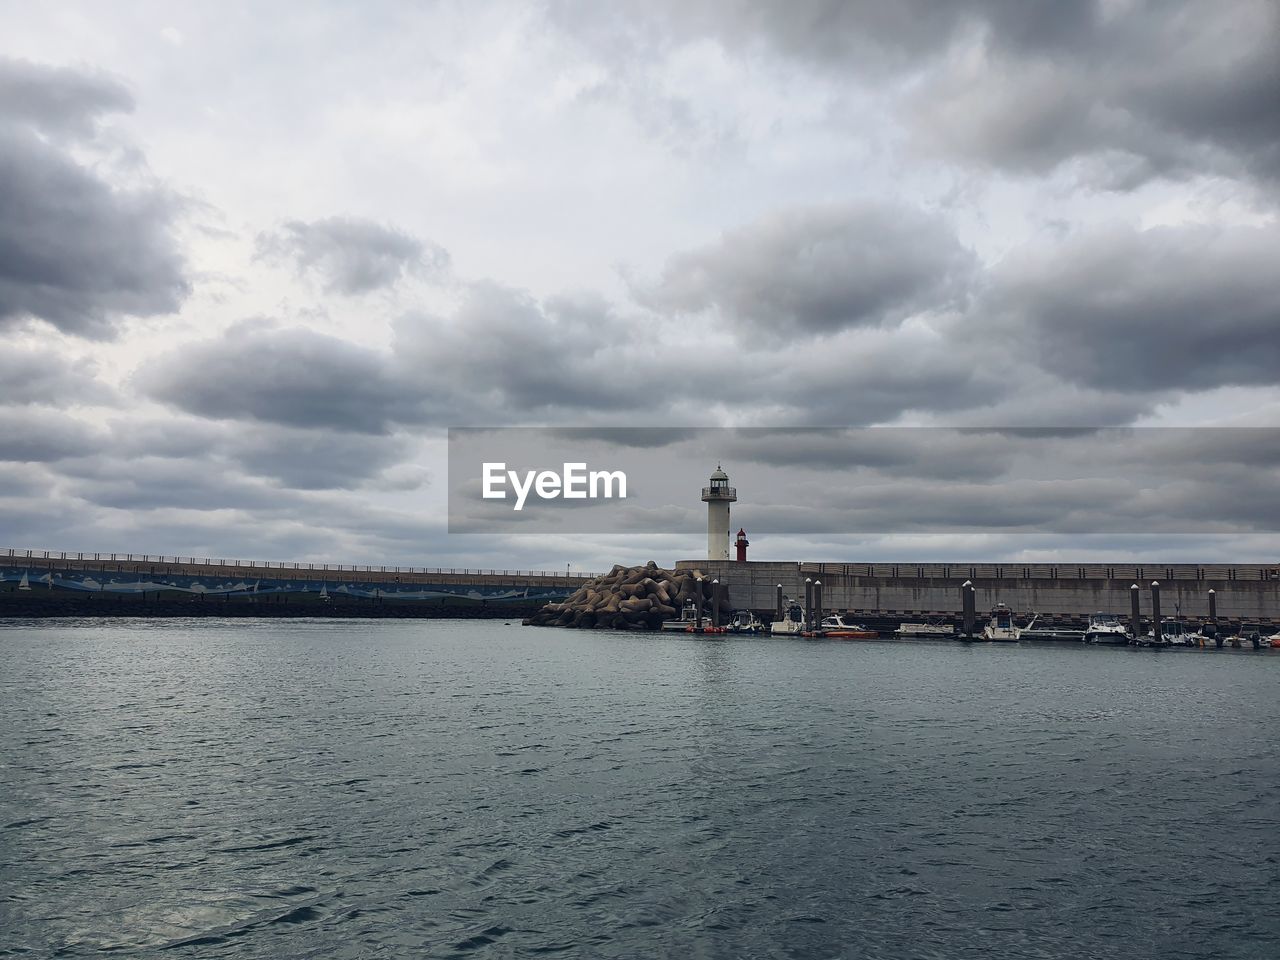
11	555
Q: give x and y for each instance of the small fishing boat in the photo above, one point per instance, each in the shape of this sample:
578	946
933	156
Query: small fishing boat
687	620
836	627
1173	633
792	622
1106	629
1000	628
744	621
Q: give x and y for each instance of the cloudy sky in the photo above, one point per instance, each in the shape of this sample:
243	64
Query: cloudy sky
255	260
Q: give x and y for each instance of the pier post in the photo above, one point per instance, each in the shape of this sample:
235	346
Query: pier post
1213	618
969	607
715	603
777	614
1135	612
1156	633
697	621
817	604
808	603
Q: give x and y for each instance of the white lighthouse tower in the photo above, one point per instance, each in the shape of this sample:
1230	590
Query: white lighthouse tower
717	497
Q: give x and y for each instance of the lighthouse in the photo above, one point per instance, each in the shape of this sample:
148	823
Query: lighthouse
717	497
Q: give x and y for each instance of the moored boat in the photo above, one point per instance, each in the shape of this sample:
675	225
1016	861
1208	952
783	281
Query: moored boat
836	627
744	621
1106	629
687	620
792	622
1000	627
1173	633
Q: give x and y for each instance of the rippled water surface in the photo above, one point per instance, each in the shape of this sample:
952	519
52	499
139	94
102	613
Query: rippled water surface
469	789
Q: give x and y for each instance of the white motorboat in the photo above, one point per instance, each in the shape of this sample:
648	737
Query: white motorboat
744	621
1106	629
1000	627
837	627
1173	633
792	622
687	621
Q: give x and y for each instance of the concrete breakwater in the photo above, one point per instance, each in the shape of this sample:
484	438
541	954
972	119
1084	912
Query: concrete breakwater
628	598
41	606
31	581
60	584
1068	591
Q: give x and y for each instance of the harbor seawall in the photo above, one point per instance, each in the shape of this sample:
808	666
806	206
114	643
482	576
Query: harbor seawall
1245	592
63	584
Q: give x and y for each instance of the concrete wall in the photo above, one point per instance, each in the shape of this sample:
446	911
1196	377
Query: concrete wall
319	573
1248	592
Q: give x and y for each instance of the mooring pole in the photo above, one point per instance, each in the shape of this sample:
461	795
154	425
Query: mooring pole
1157	634
968	607
817	604
1135	612
808	603
715	603
777	615
1213	618
698	616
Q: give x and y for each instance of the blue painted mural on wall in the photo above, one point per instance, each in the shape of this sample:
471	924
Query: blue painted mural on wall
34	578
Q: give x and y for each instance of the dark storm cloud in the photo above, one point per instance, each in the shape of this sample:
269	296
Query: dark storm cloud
504	358
1136	90
56	213
173	437
857	35
1027	395
36	375
351	255
58	99
290	376
34	435
25	479
1185	308
316	459
153	483
504	350
288	457
820	270
902	452
867	377
1171	89
648	438
500	356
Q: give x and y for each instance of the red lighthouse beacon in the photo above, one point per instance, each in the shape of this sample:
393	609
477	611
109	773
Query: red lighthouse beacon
741	544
